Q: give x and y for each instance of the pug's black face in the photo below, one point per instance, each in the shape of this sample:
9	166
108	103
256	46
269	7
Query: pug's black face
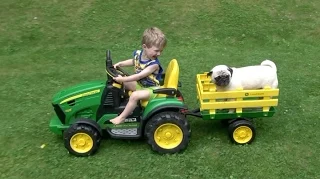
221	75
222	80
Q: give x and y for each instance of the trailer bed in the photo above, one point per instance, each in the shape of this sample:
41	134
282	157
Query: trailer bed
245	103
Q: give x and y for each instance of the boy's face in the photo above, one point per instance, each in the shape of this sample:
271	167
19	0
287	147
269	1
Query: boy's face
153	52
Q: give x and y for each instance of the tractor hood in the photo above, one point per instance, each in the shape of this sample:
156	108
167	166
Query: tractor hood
77	91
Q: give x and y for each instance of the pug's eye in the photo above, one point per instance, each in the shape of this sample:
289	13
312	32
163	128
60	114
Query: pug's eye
218	78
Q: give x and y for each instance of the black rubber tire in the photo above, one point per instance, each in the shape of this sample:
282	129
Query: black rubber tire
86	129
168	118
247	125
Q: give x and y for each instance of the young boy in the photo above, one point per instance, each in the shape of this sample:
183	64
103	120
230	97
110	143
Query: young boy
147	71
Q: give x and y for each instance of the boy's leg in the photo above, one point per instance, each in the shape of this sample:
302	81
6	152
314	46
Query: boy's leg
132	104
131	86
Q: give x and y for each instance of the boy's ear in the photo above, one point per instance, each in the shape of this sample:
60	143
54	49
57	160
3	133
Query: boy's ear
144	46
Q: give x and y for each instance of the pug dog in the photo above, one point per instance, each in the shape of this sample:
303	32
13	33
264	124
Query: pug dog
247	78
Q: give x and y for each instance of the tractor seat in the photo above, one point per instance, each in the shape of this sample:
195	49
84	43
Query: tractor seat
170	83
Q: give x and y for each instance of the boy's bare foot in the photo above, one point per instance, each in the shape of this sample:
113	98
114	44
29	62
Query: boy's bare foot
117	120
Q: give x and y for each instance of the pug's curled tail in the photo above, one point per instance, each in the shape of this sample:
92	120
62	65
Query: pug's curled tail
269	63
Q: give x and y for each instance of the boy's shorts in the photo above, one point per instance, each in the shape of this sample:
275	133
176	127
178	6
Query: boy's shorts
150	89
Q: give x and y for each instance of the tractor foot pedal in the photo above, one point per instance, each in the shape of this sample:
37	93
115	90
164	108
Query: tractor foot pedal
125	132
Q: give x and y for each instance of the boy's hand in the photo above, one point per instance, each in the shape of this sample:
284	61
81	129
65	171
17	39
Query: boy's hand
117	65
119	79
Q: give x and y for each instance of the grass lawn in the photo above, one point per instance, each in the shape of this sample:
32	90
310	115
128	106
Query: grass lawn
46	46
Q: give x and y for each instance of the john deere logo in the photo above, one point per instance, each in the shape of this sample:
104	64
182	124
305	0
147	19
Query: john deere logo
254	94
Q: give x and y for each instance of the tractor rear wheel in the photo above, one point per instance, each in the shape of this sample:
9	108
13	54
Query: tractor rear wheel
168	132
81	139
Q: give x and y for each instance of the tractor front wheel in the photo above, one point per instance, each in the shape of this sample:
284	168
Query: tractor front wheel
168	132
81	139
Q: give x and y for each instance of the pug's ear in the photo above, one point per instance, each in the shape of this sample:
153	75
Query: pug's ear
230	70
209	73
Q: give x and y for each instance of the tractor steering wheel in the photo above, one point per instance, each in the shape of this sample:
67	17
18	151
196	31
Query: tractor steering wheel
113	72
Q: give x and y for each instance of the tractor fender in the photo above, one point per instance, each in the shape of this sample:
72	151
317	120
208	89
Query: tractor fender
172	107
91	123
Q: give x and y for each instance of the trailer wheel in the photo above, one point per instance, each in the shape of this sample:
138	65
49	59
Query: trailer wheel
242	131
168	132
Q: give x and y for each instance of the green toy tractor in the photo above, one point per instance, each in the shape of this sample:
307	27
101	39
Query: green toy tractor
83	112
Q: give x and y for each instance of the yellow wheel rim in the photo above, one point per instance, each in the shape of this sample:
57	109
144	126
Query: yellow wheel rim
242	134
81	142
168	136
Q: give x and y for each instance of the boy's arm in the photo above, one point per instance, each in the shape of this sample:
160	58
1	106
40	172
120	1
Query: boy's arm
124	63
135	77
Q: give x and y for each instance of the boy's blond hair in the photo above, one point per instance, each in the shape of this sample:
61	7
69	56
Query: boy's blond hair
154	37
